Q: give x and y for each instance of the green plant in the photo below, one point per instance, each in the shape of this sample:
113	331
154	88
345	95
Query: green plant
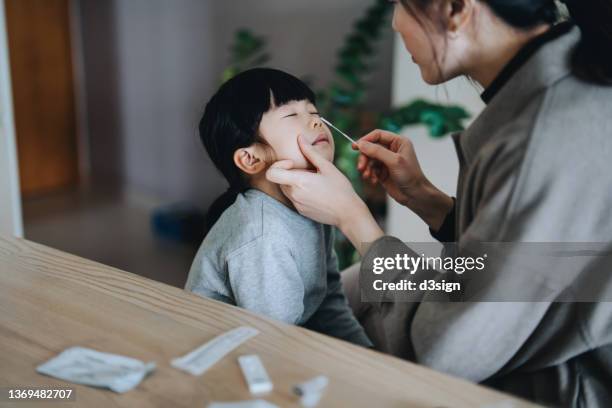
342	101
247	51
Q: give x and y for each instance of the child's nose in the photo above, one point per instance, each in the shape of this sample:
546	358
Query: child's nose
316	123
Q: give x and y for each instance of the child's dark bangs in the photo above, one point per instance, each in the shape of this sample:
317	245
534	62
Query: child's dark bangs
286	88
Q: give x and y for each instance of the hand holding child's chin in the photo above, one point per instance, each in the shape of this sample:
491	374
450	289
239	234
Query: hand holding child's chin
288	164
311	191
299	162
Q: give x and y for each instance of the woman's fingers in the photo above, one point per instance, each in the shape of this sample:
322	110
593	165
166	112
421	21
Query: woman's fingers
384	174
362	162
312	155
379	136
283	176
366	173
377	151
373	172
280	173
287	191
283	164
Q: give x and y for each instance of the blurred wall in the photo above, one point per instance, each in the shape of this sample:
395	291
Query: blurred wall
10	203
437	157
150	66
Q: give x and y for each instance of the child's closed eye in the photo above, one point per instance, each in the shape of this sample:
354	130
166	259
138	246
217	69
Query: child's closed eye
295	114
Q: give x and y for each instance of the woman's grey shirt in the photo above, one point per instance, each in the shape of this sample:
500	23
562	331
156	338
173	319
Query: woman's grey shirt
535	166
264	257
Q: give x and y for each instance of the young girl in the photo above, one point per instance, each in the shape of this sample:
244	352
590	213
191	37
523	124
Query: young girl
260	254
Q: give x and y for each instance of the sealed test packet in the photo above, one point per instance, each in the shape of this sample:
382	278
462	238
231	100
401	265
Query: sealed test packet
90	367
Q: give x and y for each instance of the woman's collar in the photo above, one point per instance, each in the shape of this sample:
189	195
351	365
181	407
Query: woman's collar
522	57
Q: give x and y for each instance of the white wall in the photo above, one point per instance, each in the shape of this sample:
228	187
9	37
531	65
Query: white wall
151	65
436	156
10	202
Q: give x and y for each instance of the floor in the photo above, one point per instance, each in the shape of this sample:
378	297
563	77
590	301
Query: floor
108	227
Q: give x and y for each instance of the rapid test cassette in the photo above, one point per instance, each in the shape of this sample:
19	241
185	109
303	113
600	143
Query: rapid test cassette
255	374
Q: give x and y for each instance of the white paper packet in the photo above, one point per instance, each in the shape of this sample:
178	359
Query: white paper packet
90	367
208	354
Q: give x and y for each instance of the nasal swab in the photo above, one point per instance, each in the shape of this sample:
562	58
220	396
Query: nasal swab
327	122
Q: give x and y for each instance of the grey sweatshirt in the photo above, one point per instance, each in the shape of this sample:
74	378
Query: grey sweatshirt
267	258
534	167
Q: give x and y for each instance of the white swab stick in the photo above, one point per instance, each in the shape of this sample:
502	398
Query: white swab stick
328	123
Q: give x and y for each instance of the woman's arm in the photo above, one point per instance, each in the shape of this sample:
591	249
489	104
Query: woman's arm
360	227
447	231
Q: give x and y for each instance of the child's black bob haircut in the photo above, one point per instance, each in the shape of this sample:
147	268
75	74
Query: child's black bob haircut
231	121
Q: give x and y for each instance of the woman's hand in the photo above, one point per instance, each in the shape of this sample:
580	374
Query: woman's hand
323	195
390	159
326	196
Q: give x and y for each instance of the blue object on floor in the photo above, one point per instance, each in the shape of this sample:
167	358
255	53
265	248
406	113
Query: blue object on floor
181	222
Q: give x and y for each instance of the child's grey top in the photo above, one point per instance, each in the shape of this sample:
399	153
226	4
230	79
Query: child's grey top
265	257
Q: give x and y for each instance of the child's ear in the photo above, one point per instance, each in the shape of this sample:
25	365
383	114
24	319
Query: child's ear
255	158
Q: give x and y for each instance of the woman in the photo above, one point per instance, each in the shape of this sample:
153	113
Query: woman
532	169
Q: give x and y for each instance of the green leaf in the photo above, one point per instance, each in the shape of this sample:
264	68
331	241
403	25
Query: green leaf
439	119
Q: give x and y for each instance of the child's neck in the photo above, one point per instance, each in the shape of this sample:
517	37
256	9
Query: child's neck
273	190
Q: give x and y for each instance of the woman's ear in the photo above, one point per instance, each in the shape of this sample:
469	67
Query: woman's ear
458	13
254	159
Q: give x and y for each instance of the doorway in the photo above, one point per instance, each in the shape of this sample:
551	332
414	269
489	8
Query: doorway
40	55
69	204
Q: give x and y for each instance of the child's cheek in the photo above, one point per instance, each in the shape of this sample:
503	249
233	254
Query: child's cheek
297	157
332	149
288	149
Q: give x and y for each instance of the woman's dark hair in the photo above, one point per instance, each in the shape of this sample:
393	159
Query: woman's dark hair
231	121
591	60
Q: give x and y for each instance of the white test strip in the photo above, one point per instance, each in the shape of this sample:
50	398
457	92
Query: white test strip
205	356
328	123
255	374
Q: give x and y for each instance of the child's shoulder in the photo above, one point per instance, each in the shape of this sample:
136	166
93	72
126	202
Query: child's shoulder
253	216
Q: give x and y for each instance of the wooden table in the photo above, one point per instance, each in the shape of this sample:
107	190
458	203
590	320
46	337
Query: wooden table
50	300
